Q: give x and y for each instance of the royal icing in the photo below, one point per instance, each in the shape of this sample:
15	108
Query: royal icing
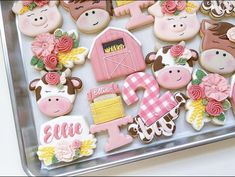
65	139
175	20
90	16
36	17
218	48
138	19
218	9
55	93
152	108
208	101
232	93
58	50
115	53
173	65
108	114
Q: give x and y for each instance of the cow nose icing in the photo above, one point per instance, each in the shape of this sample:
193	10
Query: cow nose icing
178	27
39	20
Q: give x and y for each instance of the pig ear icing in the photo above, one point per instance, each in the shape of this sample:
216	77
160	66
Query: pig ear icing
54	3
65	4
77	83
156	10
206	25
18	5
33	84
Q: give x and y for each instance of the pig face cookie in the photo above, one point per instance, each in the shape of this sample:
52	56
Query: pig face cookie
175	20
218	47
173	65
218	9
208	101
108	113
65	140
36	17
57	51
90	16
55	93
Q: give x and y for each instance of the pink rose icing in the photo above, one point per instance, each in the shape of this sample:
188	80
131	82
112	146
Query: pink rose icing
27	3
231	34
181	4
65	44
43	45
52	78
214	108
169	7
41	3
76	144
177	50
51	61
216	87
196	92
64	152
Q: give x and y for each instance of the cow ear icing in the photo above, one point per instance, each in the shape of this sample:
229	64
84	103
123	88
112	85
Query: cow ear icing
150	58
33	84
77	83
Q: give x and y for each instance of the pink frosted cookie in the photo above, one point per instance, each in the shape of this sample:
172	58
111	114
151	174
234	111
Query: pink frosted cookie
156	114
64	140
173	65
133	7
57	51
115	53
36	17
91	16
175	20
208	101
108	114
56	93
218	47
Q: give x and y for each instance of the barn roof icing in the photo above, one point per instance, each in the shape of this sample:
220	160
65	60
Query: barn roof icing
111	28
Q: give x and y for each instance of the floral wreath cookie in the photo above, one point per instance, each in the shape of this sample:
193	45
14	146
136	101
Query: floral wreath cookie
37	16
208	101
65	139
175	20
57	51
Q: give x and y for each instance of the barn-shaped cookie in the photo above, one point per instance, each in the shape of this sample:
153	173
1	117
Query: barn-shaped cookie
115	53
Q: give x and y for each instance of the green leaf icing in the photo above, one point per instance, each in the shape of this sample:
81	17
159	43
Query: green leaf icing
34	60
226	105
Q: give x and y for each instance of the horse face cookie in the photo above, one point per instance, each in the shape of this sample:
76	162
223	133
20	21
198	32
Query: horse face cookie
208	101
65	139
57	51
90	16
55	93
218	47
173	65
218	9
175	20
36	17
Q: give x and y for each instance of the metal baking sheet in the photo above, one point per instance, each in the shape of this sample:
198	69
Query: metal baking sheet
17	55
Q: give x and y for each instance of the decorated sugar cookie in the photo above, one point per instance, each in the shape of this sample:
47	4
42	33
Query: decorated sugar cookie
57	51
37	16
64	140
218	9
208	101
116	53
156	114
56	92
173	65
108	114
175	20
91	16
133	7
232	93
218	47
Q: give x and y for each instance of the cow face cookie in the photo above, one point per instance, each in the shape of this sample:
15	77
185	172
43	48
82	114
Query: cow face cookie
218	9
36	17
156	114
90	16
57	51
55	93
218	47
208	101
64	140
173	65
175	20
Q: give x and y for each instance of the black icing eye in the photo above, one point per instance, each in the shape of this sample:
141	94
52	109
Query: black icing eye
181	25
41	18
217	52
174	26
93	12
35	19
178	71
57	99
49	99
86	14
170	71
224	55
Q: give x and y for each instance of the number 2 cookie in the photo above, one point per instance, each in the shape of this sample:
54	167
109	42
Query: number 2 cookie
36	17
